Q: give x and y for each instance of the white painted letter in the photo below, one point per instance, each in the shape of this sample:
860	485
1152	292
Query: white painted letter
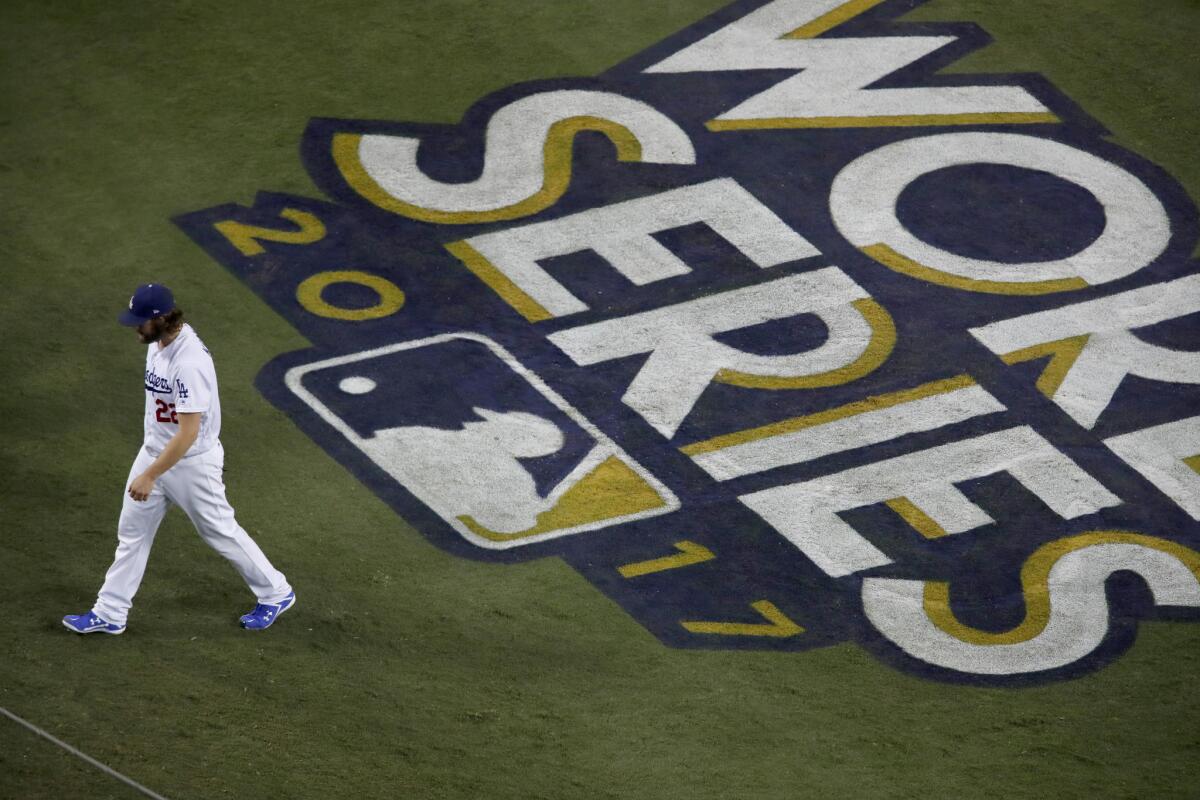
621	233
1169	457
864	195
528	157
685	358
807	513
1094	347
830	90
1066	615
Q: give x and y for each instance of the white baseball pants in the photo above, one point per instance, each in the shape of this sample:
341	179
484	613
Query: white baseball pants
196	485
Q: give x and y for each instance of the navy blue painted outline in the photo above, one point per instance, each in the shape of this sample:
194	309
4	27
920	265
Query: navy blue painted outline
464	139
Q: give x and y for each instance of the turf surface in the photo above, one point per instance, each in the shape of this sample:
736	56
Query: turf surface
405	671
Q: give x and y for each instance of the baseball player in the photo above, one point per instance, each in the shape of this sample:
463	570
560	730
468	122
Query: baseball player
180	463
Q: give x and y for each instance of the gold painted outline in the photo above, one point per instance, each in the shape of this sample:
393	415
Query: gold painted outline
883	341
831	19
1035	576
897	262
500	283
864	406
898	121
916	518
1063	352
556	176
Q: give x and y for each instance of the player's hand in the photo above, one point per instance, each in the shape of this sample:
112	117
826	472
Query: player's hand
141	487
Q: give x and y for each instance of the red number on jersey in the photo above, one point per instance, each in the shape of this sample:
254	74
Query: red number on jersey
166	412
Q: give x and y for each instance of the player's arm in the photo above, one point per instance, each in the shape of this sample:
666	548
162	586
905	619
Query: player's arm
189	428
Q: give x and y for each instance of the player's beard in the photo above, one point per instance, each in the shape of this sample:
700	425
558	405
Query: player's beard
151	331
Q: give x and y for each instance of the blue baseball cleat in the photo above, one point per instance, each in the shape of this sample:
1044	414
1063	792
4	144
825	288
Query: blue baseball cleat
90	623
263	616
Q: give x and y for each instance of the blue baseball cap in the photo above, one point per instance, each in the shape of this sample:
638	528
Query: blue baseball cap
149	301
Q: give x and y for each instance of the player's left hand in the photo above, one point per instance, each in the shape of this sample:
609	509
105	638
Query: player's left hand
141	487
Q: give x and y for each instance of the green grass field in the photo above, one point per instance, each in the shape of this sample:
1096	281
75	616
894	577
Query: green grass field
406	671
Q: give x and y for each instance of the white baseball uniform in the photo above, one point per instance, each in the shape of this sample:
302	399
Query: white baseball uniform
181	378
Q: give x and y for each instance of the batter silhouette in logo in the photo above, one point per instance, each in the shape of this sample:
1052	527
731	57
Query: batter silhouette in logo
489	485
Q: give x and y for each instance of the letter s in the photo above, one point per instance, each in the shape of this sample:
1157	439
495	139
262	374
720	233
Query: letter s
1066	614
527	164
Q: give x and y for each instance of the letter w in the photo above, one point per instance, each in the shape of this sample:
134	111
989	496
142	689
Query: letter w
831	92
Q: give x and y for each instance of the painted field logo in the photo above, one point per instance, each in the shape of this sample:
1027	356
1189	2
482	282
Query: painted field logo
778	336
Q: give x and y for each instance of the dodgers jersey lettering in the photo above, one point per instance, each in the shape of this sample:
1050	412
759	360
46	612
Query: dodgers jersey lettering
181	379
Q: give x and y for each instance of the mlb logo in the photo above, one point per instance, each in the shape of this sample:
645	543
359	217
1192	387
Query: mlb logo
479	439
